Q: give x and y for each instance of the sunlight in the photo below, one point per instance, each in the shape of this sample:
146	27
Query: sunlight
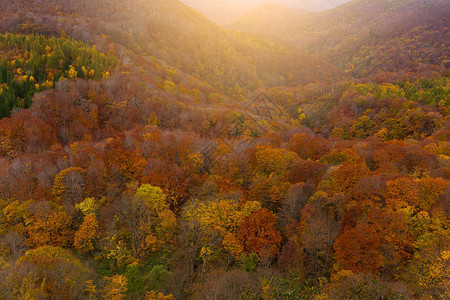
225	12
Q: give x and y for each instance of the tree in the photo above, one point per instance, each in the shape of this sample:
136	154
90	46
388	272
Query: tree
308	147
217	223
304	170
86	234
88	206
358	249
273	160
153	295
150	220
269	190
345	178
68	185
48	272
403	193
431	189
317	233
51	228
152	197
433	276
379	242
115	288
347	285
294	201
123	165
258	234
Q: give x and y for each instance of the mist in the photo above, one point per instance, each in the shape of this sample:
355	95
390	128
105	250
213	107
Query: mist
224	12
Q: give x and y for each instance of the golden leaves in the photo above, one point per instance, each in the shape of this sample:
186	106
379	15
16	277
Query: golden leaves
86	234
116	288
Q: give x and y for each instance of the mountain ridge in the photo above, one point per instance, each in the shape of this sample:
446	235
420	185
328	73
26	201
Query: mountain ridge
342	34
225	12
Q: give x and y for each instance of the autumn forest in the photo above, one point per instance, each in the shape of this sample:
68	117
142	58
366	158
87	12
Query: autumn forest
148	153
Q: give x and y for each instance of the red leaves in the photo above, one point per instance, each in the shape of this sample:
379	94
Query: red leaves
358	249
258	234
344	179
309	147
123	163
380	241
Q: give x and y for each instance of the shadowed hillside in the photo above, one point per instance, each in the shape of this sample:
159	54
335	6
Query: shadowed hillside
365	37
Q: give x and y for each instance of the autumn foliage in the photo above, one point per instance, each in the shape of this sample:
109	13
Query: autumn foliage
258	234
146	153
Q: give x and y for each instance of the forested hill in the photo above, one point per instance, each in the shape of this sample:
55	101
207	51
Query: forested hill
176	34
219	11
365	37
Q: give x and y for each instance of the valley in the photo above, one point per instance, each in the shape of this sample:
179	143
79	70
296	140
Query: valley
295	151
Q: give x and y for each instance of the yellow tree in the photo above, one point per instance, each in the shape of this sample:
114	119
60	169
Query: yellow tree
48	272
218	222
68	185
273	160
86	234
435	276
153	295
151	222
88	206
116	288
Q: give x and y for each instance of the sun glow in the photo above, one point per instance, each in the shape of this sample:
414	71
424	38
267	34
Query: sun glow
224	12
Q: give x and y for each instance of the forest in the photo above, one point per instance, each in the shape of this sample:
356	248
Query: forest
147	153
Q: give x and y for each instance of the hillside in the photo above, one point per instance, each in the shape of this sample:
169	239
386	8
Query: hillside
176	34
31	65
219	11
366	37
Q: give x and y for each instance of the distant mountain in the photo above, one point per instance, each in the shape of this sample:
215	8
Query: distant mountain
220	11
270	19
363	37
224	12
311	5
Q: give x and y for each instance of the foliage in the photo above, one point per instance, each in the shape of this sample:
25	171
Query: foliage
48	271
210	164
258	234
250	262
86	234
31	64
115	288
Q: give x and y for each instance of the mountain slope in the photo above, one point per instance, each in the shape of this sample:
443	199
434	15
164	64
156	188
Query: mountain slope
219	11
366	37
178	35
